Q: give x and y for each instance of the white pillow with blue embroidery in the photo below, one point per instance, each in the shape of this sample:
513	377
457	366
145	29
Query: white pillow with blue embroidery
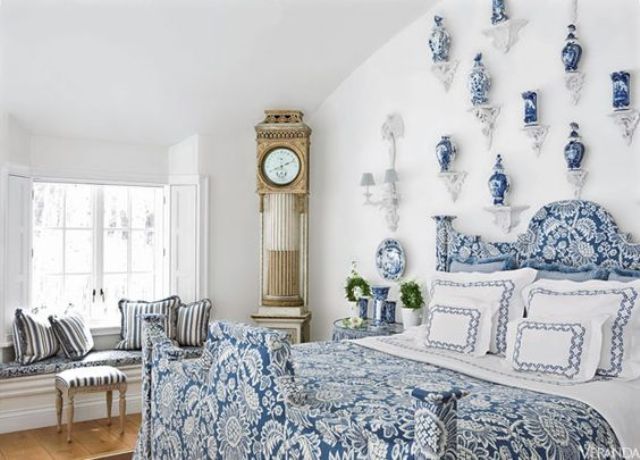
459	327
502	290
620	355
556	349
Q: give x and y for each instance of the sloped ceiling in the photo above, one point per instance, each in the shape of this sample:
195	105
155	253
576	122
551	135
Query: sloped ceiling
156	71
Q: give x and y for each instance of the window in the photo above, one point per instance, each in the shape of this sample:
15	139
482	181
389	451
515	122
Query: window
93	245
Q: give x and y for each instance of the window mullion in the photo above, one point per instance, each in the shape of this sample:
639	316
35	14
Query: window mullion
98	247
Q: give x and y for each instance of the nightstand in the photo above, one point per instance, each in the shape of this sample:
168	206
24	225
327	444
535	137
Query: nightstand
342	332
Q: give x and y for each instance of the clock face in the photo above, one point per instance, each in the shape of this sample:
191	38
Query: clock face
281	166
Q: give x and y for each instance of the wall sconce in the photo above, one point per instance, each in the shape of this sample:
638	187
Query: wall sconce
392	129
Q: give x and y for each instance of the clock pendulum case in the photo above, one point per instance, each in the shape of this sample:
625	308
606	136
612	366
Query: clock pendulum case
283	188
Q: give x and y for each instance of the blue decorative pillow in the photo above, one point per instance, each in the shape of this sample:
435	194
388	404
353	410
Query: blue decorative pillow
73	334
33	338
486	265
625	275
131	312
565	272
193	323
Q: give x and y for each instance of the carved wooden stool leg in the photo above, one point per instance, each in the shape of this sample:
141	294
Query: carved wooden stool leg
69	415
123	406
59	409
109	402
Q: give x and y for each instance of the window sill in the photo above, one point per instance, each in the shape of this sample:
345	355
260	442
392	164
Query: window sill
98	330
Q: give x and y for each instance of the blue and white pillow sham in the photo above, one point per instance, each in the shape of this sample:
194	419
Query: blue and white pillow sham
565	272
556	349
461	329
33	338
131	319
73	335
620	355
621	274
193	323
502	290
486	265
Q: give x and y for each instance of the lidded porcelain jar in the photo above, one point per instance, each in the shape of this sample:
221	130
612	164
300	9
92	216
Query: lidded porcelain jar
446	153
479	82
574	150
439	41
572	51
499	183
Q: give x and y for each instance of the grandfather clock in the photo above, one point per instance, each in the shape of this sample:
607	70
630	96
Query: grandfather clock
283	188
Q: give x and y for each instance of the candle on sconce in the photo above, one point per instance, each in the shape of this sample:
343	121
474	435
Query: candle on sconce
530	99
621	82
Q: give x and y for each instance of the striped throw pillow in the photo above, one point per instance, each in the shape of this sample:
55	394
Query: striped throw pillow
73	335
131	312
33	338
193	322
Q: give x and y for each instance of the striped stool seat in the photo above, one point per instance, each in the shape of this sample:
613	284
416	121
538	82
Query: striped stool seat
90	380
91	376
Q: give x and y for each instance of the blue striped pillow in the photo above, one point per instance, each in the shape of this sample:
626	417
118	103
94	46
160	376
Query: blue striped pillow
33	338
131	312
193	322
73	335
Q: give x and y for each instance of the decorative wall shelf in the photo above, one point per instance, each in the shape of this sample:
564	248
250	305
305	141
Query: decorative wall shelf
486	116
505	34
506	217
537	134
627	120
453	180
445	72
574	81
577	178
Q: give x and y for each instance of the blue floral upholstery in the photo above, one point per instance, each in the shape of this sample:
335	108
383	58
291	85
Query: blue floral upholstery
572	233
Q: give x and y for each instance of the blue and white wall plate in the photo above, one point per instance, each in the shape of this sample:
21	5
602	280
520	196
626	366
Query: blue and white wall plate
390	259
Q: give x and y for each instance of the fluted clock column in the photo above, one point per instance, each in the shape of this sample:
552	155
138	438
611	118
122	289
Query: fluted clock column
283	189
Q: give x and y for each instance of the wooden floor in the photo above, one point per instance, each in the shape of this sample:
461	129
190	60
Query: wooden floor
90	440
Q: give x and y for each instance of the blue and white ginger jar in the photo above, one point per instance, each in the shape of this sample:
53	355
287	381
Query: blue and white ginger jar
574	150
499	183
572	51
479	82
446	153
498	12
439	42
530	99
621	82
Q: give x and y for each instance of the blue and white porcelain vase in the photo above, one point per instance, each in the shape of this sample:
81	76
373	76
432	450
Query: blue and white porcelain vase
621	82
363	307
530	99
572	51
390	312
446	153
499	183
439	41
498	12
479	82
574	150
380	294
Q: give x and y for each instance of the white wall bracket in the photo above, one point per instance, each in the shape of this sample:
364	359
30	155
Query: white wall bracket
506	217
537	134
453	180
505	34
486	116
577	178
445	71
627	120
574	81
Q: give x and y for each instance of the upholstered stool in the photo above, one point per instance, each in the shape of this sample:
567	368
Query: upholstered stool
90	380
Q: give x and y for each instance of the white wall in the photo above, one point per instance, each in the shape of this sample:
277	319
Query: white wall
397	77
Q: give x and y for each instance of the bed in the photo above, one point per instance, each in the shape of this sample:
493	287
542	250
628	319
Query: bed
251	395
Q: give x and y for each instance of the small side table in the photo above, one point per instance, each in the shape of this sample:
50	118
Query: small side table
343	332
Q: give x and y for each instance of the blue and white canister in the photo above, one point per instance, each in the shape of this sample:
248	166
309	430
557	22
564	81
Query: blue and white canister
572	51
479	82
530	99
499	183
498	12
380	294
390	312
574	150
439	41
621	82
445	153
363	307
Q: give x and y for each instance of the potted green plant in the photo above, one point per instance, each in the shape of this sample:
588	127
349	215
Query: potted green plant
355	288
412	303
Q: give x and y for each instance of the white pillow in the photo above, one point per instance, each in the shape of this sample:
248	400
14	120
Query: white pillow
500	289
460	328
620	356
556	349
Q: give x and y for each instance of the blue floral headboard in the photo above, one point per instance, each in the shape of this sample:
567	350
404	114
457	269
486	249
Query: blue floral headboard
572	232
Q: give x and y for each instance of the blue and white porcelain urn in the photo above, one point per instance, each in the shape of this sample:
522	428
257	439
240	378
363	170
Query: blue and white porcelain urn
498	12
530	99
445	152
439	41
621	82
499	183
479	82
572	51
574	150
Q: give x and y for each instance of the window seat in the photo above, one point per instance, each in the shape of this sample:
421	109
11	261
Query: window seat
59	363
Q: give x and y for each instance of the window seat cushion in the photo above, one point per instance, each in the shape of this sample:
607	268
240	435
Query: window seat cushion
60	363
